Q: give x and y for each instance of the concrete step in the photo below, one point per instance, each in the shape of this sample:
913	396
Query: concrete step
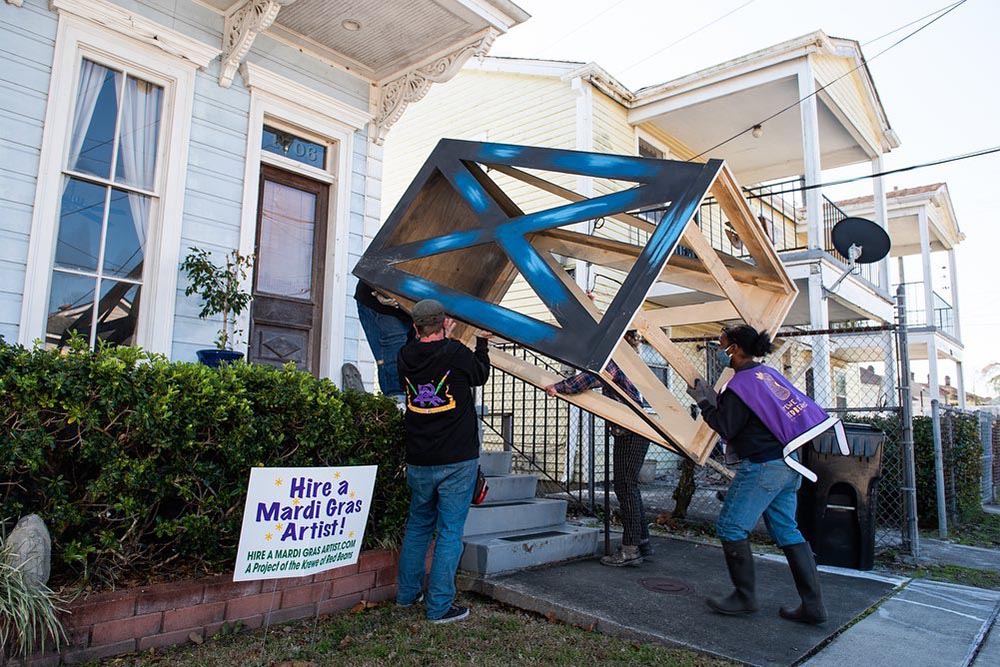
495	463
514	515
503	552
504	488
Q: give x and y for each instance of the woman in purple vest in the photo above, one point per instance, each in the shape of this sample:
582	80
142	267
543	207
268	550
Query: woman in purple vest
749	417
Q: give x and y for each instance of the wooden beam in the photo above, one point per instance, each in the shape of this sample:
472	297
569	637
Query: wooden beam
620	256
695	313
591	401
569	195
734	291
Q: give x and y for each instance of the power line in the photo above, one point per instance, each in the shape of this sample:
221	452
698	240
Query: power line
903	27
954	158
864	63
690	34
814	186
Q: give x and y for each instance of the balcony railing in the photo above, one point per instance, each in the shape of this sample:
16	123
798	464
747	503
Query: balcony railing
942	315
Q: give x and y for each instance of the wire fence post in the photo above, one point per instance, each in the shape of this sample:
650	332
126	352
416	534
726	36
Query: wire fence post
942	507
911	533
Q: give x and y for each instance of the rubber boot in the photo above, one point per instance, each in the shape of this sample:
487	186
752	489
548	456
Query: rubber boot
803	566
743	600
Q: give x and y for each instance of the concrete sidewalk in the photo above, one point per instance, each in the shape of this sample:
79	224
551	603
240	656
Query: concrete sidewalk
939	552
662	601
926	624
915	623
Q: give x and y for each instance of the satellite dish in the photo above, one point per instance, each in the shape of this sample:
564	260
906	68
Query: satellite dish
859	240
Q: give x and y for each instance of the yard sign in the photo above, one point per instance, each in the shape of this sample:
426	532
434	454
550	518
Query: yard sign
301	521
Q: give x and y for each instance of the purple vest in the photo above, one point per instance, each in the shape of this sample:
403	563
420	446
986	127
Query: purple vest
790	415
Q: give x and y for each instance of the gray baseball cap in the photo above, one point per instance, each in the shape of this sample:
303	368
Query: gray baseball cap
427	312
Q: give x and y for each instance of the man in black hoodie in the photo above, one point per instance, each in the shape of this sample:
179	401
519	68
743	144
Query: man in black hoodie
442	454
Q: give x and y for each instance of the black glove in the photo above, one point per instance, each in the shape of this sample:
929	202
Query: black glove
701	392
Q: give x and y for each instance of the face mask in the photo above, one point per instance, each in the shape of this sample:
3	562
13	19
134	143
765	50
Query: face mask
723	357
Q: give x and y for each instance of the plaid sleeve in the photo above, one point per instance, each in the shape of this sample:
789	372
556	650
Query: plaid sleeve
578	383
623	382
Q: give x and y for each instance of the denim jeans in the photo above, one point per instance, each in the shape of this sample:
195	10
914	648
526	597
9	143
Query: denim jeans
761	488
439	502
386	335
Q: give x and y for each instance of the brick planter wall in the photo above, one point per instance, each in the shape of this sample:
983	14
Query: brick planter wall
118	622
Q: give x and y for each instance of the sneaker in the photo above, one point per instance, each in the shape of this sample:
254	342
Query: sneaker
623	557
407	605
456	613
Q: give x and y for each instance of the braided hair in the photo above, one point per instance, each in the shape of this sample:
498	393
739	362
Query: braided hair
748	339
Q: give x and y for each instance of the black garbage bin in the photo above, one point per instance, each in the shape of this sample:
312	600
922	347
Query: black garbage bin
836	514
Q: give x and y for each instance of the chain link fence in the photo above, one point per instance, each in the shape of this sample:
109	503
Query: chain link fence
852	373
967	465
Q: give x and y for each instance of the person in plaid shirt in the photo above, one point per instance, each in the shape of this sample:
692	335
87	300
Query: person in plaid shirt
629	453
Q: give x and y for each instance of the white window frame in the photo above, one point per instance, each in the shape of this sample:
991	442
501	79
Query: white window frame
643	135
281	102
78	38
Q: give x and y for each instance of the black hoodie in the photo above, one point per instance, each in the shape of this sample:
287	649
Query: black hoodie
440	416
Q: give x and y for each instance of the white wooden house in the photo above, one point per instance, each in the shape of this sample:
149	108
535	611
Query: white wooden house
924	230
134	130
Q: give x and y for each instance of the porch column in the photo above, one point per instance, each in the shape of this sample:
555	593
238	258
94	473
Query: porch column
889	376
811	157
960	384
925	256
932	368
819	320
881	217
955	313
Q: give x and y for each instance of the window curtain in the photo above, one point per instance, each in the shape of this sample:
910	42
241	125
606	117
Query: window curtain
92	78
140	124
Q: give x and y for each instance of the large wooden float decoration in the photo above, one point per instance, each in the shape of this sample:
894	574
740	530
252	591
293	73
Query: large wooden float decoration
456	236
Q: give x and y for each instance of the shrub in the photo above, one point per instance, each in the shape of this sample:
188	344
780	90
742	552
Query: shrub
28	613
962	463
134	461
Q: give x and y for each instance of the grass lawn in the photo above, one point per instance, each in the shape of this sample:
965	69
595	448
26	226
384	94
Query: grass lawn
386	635
981	531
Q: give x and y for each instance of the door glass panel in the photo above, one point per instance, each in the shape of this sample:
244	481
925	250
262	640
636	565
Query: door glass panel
301	150
285	251
79	242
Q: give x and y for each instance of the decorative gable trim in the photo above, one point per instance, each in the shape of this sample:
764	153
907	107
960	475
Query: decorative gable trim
395	95
243	23
140	28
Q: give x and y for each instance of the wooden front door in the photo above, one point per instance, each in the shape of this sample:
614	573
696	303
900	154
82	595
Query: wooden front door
286	312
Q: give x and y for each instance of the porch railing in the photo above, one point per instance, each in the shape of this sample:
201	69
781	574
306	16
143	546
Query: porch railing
942	315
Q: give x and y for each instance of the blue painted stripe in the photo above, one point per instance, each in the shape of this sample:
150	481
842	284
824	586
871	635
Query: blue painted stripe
480	313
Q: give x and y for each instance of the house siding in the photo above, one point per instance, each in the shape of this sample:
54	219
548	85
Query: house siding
495	107
27	42
848	93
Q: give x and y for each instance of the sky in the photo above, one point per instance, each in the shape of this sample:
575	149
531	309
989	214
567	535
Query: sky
939	89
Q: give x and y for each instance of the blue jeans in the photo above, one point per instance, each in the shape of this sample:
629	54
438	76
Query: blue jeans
761	488
386	335
439	502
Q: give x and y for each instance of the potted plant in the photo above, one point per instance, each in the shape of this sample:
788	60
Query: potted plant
220	289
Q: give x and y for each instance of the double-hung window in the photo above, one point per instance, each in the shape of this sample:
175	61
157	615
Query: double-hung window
109	193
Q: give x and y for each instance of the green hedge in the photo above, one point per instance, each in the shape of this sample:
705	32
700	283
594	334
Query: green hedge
134	461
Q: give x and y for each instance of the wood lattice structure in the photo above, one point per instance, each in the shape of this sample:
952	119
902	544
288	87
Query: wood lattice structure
456	236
